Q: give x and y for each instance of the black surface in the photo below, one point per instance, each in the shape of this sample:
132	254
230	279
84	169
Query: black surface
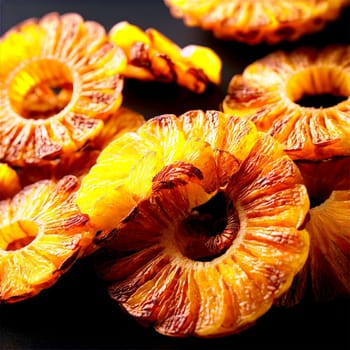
76	312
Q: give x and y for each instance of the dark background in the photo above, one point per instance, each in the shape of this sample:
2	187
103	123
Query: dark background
76	313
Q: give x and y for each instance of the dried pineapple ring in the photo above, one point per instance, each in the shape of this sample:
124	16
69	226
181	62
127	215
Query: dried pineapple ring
257	21
329	258
42	233
153	56
268	90
328	266
318	139
207	213
9	181
59	77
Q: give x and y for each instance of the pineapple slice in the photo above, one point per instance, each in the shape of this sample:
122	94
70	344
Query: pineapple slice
318	139
9	181
42	234
204	215
329	260
326	273
59	77
256	21
268	91
152	56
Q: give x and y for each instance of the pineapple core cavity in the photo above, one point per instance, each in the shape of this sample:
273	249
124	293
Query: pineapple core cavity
319	87
40	89
17	234
209	230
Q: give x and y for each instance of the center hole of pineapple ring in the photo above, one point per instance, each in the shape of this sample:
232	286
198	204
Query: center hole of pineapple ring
41	89
209	230
18	234
319	87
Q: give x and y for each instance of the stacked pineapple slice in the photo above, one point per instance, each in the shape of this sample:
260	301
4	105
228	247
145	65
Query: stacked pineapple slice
269	92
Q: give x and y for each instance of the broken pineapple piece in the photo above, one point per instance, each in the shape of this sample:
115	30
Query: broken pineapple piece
269	90
256	21
154	57
59	77
42	234
205	216
9	181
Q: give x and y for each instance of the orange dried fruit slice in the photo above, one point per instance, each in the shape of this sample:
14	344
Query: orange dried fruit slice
325	274
329	228
256	21
60	76
269	90
154	57
42	234
205	215
9	181
79	163
271	93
